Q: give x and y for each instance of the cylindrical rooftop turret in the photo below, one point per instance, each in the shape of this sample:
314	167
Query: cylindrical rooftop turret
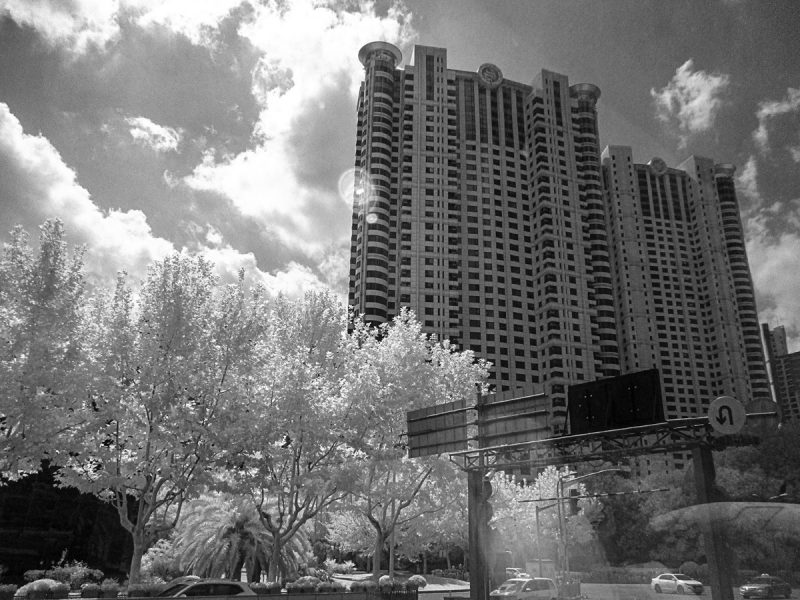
383	47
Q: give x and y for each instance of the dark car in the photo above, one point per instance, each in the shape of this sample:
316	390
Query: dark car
766	586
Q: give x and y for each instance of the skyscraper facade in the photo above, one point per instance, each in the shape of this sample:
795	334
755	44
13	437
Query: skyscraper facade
481	204
784	368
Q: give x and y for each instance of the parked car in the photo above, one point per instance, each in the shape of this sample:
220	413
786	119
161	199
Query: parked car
516	573
526	588
677	583
189	587
766	586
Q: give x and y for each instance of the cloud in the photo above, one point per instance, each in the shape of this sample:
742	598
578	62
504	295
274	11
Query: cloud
77	25
38	185
772	235
770	110
747	183
82	25
775	264
691	100
152	135
306	84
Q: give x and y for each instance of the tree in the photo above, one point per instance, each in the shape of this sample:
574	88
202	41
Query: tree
391	369
167	367
41	367
443	530
219	535
292	453
514	505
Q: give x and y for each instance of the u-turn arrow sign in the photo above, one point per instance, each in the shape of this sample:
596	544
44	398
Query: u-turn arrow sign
726	415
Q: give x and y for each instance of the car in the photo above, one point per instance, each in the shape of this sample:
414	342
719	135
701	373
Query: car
766	586
526	588
516	573
190	586
677	583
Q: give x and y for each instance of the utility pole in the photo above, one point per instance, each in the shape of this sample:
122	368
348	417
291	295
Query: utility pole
717	552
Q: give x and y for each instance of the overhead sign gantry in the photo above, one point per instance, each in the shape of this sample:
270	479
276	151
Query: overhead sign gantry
502	432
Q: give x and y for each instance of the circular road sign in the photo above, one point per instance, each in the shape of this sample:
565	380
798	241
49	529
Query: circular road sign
726	415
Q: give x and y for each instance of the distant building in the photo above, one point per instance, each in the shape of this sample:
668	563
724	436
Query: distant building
784	368
486	206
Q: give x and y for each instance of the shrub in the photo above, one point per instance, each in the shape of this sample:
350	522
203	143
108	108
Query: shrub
304	585
33	575
388	584
60	574
43	589
416	582
329	586
363	586
90	590
36	590
263	589
690	568
7	591
144	590
109	588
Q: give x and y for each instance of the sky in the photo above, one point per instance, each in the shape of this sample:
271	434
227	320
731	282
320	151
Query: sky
226	128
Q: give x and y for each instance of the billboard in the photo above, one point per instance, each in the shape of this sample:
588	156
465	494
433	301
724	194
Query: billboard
615	403
437	429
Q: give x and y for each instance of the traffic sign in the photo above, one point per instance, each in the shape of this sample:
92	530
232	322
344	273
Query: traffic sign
726	415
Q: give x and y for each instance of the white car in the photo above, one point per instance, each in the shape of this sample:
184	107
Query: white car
526	588
676	583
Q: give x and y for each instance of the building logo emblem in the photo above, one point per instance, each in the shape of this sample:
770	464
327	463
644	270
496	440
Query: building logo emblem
490	75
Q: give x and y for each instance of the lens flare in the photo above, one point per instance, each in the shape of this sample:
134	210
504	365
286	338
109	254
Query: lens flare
355	186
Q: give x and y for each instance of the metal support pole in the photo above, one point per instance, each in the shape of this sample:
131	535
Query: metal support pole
478	528
538	540
478	579
717	552
562	528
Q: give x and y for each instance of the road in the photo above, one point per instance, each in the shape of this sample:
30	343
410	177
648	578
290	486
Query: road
636	591
601	591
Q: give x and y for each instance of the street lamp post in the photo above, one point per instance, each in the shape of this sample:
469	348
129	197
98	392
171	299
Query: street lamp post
539	509
560	495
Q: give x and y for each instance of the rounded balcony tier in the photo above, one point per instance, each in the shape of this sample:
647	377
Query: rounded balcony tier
587	91
383	47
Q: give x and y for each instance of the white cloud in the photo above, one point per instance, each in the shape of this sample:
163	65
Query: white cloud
775	264
772	235
153	135
80	25
691	100
768	111
747	182
39	181
309	52
36	183
192	18
77	25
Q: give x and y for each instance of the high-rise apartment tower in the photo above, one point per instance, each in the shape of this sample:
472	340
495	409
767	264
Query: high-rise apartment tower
481	205
784	367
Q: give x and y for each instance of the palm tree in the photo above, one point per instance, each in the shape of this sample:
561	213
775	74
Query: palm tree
220	534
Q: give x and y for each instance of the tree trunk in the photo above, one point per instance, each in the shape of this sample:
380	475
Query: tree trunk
135	572
424	563
237	569
274	572
255	574
376	557
447	556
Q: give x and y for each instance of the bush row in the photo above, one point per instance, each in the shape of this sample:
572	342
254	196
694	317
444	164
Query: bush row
75	575
50	589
